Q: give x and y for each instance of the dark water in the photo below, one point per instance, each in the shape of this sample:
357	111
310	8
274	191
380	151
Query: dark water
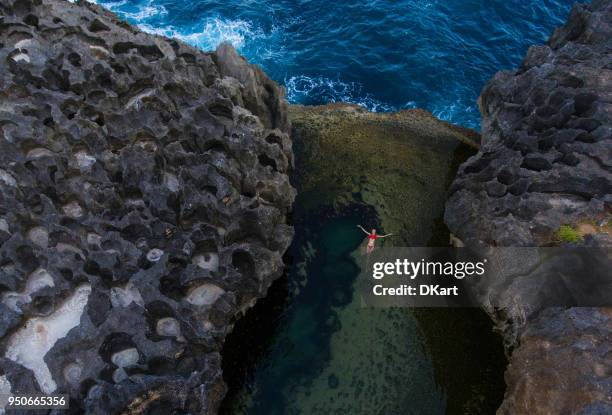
329	355
311	348
382	54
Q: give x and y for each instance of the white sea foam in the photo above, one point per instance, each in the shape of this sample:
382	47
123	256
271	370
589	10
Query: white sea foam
115	4
454	112
142	13
212	32
423	4
206	35
301	88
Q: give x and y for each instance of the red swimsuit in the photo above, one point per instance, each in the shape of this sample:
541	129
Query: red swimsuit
373	236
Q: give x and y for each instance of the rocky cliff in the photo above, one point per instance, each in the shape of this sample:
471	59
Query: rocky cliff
543	176
143	204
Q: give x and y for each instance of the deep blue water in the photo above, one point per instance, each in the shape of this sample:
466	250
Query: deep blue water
383	54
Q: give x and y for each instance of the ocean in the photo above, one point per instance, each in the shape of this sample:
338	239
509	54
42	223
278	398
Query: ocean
385	55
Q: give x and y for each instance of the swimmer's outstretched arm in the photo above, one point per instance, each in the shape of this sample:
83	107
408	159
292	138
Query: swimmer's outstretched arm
361	227
384	236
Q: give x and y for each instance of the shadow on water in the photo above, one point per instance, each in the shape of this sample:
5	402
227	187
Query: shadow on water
283	342
310	348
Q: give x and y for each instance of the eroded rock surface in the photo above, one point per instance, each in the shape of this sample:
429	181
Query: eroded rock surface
545	165
546	155
143	204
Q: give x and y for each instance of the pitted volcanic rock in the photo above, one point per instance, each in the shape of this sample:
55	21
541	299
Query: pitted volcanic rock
152	177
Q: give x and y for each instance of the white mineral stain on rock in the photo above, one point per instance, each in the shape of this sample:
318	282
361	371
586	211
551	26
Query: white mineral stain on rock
37	153
205	294
123	297
94	239
5	392
171	182
137	203
21	57
168	326
119	375
125	358
7	178
136	102
36	281
84	160
72	373
99	51
30	344
147	145
155	255
207	260
39	236
4	227
24	43
73	209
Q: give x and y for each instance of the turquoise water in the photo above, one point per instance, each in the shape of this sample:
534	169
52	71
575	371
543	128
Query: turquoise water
331	356
382	54
311	348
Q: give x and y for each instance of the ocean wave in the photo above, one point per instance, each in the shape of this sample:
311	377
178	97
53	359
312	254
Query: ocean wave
144	13
135	12
457	113
213	31
384	55
304	89
113	4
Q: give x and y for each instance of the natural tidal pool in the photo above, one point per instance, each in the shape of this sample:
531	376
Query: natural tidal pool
311	348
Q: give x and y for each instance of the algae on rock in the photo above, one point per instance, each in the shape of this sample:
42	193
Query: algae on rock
396	162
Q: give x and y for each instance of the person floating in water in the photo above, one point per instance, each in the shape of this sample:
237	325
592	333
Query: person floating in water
372	237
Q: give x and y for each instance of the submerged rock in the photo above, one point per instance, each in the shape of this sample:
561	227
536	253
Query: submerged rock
393	170
131	169
545	167
399	163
